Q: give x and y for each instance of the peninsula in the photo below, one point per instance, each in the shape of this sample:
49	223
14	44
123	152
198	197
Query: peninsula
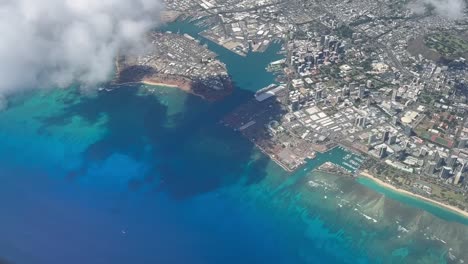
180	61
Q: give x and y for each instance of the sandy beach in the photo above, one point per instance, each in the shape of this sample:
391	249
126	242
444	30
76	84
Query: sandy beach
160	84
389	186
182	84
169	81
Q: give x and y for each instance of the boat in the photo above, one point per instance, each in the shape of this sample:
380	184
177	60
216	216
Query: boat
265	89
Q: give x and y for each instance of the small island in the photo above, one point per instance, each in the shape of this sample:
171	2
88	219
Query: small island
180	61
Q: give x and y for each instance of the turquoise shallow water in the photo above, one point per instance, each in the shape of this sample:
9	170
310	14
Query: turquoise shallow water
146	175
429	207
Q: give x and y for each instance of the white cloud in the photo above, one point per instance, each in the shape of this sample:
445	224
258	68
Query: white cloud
452	9
54	43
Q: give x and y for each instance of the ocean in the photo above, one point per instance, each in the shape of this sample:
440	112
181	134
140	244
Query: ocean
148	175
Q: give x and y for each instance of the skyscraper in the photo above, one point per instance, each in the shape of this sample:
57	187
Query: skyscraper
422	152
445	172
408	130
345	91
361	92
394	95
318	94
363	122
438	159
357	121
383	151
459	174
386	135
392	139
360	122
370	140
326	41
431	167
407	144
451	161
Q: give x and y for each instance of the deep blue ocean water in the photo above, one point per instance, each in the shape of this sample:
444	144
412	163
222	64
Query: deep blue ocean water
148	175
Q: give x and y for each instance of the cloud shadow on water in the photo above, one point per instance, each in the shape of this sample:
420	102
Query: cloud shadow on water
194	156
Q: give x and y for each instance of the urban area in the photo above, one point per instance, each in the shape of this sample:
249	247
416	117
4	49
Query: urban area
177	60
385	79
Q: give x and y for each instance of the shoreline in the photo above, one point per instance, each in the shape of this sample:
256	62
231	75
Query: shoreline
172	85
161	84
417	196
188	86
183	85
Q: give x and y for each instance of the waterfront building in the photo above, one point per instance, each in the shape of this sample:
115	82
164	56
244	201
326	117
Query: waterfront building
431	167
459	174
445	172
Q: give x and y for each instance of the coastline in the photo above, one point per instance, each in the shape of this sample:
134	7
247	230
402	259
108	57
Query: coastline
164	84
161	84
169	81
189	86
182	87
194	87
405	192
